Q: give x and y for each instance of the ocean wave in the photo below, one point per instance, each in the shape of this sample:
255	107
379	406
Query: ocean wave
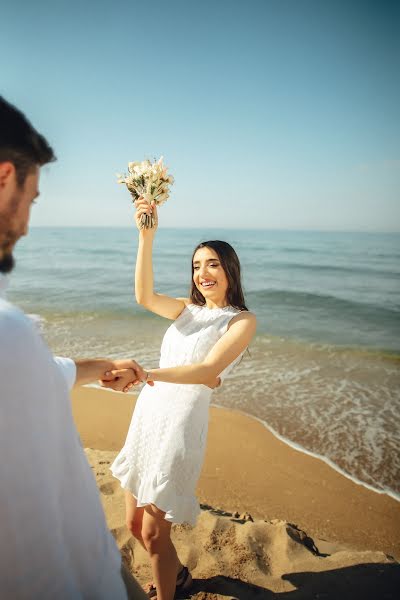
333	269
300	249
314	300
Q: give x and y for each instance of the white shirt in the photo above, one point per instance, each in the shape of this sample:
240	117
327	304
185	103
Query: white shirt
54	541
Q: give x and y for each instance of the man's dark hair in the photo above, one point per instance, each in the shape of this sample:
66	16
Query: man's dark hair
20	143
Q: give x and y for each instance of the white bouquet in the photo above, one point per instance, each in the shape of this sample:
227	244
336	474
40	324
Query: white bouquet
148	180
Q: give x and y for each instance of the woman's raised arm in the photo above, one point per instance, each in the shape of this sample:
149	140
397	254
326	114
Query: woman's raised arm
160	304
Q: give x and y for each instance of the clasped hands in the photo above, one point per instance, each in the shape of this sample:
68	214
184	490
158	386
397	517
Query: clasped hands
124	375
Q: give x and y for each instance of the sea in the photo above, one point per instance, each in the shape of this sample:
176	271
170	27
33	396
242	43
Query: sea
322	373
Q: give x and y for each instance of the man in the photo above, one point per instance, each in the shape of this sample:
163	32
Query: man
54	541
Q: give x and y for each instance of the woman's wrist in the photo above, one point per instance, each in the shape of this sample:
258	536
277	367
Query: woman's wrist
149	376
146	235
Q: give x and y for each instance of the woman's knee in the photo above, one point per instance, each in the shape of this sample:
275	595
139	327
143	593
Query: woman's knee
153	539
135	527
156	530
134	520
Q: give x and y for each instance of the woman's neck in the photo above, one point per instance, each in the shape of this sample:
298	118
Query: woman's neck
218	304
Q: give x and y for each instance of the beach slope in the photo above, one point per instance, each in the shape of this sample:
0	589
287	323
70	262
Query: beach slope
274	520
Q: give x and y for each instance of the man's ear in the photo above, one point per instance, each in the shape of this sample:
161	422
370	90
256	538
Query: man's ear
7	174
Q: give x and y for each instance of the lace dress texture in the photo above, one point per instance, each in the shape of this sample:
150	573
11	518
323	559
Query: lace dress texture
163	454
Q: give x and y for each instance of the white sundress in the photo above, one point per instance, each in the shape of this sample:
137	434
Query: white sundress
163	454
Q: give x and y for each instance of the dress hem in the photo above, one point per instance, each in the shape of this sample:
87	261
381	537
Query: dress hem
157	491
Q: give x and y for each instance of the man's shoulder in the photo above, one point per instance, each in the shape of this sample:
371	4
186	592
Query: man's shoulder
21	345
15	326
12	314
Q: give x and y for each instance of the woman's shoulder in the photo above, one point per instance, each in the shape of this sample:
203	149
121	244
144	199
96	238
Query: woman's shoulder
186	301
189	309
246	317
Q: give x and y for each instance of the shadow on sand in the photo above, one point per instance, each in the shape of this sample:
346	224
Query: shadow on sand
364	582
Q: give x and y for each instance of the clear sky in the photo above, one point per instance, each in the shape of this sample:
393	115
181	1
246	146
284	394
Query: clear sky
279	114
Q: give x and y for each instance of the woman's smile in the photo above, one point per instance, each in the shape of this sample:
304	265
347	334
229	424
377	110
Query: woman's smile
207	283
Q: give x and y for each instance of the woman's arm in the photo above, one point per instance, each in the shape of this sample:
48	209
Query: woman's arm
162	305
240	332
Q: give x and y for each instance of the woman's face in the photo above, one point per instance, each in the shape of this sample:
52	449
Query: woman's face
208	275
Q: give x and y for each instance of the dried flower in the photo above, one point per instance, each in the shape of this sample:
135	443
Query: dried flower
148	180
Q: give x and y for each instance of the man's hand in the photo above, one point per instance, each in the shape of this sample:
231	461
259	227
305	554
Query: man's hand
116	372
124	375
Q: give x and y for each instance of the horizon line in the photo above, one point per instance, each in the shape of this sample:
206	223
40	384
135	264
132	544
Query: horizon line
300	230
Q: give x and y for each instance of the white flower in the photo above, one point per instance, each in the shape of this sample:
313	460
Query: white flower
149	180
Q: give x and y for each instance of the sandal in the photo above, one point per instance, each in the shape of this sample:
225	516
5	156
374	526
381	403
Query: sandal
183	583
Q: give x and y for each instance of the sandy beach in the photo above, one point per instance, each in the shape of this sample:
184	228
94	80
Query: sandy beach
274	519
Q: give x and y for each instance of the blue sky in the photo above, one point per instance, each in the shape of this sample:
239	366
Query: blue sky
270	114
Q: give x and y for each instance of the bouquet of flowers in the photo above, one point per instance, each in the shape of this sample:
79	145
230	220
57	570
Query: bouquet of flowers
148	180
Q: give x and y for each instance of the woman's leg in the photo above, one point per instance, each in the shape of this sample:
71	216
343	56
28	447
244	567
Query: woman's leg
156	535
134	517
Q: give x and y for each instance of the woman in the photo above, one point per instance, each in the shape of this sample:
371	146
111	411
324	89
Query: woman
161	460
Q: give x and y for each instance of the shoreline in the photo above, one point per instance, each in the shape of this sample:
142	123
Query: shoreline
247	468
294	445
299	448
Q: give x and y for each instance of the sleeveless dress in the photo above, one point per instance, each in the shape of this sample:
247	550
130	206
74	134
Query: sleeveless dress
163	454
